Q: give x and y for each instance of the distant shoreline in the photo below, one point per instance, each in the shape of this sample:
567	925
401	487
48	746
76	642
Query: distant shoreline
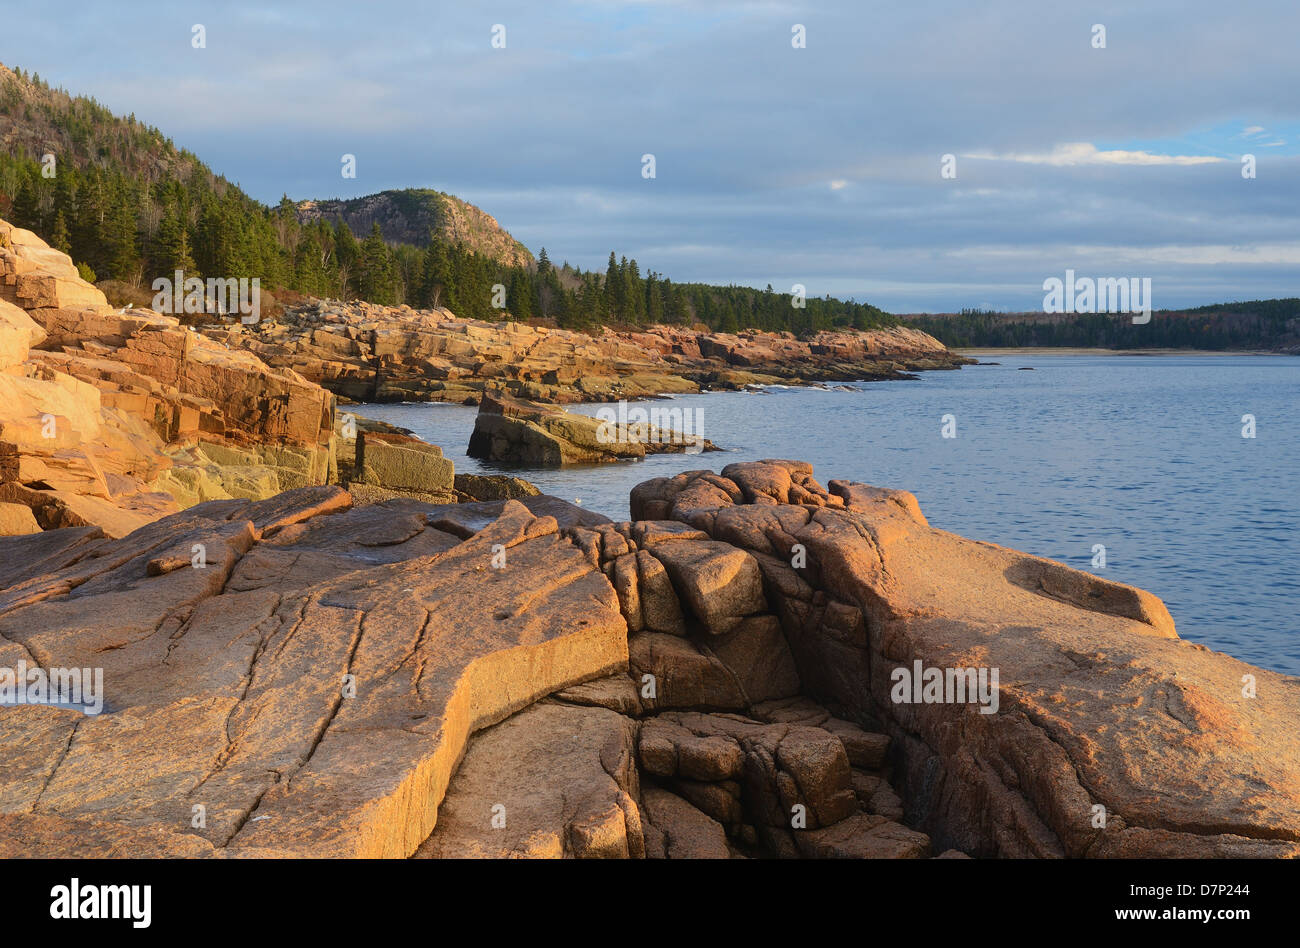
1074	351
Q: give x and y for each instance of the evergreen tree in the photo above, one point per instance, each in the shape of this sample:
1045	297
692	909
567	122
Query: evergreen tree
173	245
119	235
375	279
520	295
348	252
633	293
27	208
60	238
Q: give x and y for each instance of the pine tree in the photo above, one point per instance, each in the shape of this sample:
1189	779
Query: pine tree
654	301
27	208
436	287
309	269
60	238
173	245
375	280
633	293
119	236
520	295
348	252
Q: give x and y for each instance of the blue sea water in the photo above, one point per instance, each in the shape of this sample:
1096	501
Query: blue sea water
1143	455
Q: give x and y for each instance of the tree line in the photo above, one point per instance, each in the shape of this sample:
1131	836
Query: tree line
126	205
1258	324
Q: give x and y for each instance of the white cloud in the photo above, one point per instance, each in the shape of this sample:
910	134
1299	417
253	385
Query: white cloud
838	184
1084	153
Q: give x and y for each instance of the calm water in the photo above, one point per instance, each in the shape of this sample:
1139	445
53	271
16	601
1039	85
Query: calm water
1143	455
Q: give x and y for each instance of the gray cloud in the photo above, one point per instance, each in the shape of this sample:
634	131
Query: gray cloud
748	133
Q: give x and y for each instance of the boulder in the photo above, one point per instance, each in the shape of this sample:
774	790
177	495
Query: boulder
514	431
720	584
403	463
504	801
680	831
19	333
783	771
473	487
682	675
17	520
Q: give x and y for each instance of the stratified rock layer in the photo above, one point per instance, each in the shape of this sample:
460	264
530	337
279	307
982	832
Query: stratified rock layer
115	418
368	352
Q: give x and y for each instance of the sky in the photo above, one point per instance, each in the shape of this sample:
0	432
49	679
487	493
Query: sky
819	165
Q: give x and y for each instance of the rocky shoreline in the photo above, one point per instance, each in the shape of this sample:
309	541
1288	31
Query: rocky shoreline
712	679
368	353
317	639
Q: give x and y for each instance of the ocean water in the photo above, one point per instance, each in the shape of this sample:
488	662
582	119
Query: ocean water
1143	455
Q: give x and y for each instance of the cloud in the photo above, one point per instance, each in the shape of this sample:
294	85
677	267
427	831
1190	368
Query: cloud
819	166
1083	153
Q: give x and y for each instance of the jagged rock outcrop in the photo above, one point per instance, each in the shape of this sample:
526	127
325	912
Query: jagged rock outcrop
1111	736
114	418
308	684
368	352
514	431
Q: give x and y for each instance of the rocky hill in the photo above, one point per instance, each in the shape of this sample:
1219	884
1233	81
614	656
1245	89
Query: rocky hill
408	216
36	119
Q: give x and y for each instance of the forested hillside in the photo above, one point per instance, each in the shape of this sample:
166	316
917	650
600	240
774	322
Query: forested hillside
128	205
